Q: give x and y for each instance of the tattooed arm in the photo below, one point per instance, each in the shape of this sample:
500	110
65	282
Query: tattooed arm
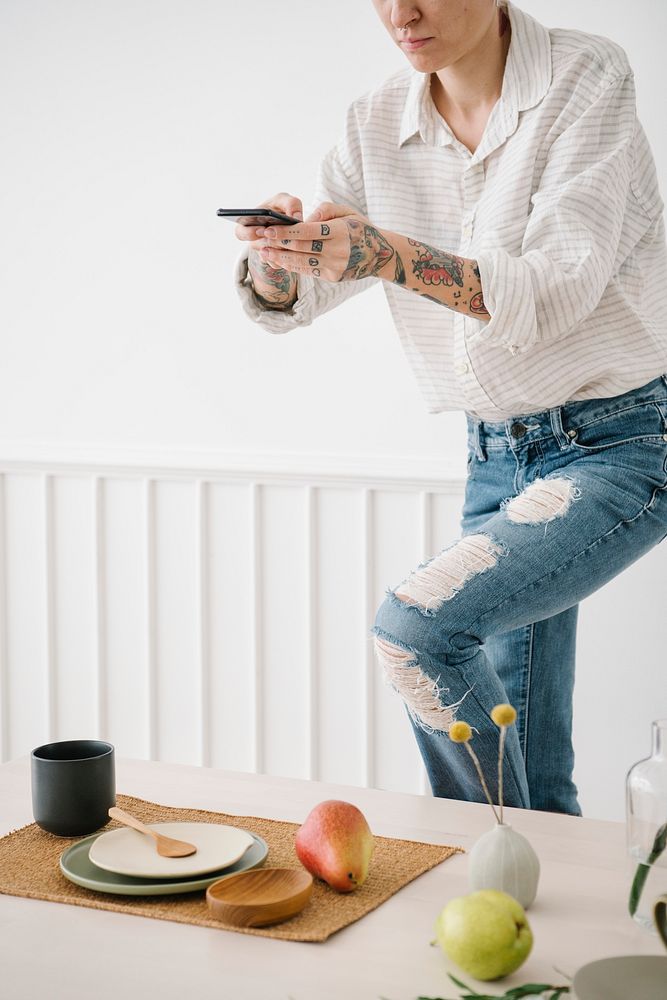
348	247
435	274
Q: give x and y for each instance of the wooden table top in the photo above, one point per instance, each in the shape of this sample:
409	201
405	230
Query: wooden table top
61	952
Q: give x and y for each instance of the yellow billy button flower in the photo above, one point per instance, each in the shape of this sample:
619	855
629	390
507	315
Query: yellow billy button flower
460	732
503	715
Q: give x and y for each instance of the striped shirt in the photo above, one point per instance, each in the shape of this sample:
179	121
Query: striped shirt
559	204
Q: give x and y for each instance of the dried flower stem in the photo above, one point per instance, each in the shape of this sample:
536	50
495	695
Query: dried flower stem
501	748
481	778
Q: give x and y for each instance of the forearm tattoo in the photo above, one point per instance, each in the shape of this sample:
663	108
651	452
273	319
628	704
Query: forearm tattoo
399	273
369	251
436	267
439	267
477	301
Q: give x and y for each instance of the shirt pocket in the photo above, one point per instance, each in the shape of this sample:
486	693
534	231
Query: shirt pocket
641	422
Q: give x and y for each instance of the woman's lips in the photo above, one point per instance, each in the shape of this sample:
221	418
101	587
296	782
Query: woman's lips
415	44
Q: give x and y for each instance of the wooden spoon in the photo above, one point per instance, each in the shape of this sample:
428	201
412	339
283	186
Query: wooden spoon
260	896
167	847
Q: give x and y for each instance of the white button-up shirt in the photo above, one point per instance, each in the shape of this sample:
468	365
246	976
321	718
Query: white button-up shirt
559	204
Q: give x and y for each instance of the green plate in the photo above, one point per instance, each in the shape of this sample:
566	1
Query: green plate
77	867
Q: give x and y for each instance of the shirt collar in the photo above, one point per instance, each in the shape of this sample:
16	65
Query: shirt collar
525	82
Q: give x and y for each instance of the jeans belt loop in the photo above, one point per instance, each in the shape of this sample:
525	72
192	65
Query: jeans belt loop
479	447
556	417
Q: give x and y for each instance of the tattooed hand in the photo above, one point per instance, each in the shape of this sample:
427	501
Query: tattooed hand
275	287
345	247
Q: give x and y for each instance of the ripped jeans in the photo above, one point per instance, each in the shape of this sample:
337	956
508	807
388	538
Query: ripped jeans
557	503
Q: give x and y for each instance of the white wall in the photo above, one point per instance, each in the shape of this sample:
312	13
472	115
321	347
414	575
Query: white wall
128	124
124	126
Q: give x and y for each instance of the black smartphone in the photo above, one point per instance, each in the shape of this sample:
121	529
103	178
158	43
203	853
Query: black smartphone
257	217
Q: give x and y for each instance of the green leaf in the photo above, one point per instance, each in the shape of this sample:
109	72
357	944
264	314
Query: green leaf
531	990
516	993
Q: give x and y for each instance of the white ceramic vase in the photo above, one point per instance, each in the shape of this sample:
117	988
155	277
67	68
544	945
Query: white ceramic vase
503	859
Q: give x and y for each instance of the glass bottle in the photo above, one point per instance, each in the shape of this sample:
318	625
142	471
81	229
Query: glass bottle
646	828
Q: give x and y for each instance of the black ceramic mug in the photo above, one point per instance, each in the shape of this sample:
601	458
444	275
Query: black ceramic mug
73	786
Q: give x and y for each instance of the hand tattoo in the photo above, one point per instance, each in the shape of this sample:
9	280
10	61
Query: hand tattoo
369	251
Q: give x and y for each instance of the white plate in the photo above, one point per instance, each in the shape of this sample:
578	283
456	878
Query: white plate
75	864
625	977
128	852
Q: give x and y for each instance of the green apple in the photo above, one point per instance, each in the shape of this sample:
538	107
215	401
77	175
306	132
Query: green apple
486	933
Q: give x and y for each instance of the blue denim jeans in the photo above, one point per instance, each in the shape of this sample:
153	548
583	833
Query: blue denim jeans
557	503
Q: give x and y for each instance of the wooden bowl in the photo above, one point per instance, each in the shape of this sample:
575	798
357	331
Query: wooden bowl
260	896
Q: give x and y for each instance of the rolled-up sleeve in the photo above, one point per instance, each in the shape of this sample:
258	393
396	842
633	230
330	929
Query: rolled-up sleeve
571	247
275	320
339	180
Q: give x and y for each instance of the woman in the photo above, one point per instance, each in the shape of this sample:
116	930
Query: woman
503	190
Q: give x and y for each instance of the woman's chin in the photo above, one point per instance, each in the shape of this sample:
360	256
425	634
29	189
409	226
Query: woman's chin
426	62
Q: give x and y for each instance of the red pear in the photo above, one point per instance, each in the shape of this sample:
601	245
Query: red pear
335	844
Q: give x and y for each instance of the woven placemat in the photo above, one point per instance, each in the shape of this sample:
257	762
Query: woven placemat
29	867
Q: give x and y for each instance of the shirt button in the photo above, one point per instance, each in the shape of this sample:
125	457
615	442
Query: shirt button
462	368
467	231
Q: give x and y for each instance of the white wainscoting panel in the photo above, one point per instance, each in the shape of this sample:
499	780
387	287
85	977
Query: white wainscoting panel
230	624
71	601
217	618
28	684
123	604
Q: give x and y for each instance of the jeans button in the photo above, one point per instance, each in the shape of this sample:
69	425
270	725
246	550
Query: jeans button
518	430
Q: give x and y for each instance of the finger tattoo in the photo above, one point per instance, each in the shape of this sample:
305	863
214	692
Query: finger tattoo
313	261
286	243
316	272
317	246
325	230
